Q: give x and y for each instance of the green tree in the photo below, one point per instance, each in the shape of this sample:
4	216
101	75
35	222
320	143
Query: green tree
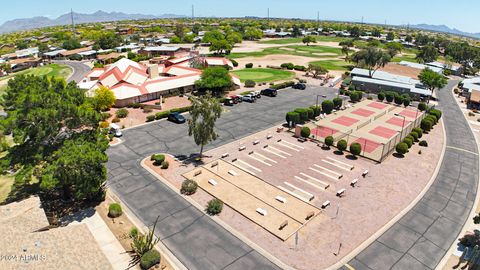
103	98
390	36
252	33
309	39
393	48
337	102
109	40
401	148
346	50
329	141
432	80
204	112
211	36
316	69
371	58
355	32
342	145
220	46
71	44
427	54
234	37
217	80
355	149
327	106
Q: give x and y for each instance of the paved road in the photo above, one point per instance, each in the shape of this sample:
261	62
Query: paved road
196	240
79	69
422	237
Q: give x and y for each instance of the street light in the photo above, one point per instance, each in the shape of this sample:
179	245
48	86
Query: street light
403	124
316	103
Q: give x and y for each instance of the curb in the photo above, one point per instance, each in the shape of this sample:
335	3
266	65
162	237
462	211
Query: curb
395	219
220	222
469	221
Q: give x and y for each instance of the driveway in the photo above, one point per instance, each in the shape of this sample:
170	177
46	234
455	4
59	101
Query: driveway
79	69
421	238
194	238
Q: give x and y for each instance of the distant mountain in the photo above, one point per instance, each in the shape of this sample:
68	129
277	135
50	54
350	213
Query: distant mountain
445	29
99	16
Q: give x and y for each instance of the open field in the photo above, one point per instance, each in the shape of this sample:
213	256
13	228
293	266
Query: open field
263	74
404	57
333	64
299	40
316	51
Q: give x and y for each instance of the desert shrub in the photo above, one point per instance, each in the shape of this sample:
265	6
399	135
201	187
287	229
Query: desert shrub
249	83
406	102
408	141
105	115
381	96
104	124
292	118
165	165
288	66
426	124
437	113
351	87
299	68
303	114
342	145
115	120
422	106
327	106
161	115
423	143
121	113
133	232
329	141
337	102
354	96
189	187
214	207
234	63
419	132
316	110
471	114
136	105
249	65
150	118
150	259
398	99
410	137
389	96
147	110
157	159
414	135
401	148
305	132
114	210
370	98
311	113
355	149
432	118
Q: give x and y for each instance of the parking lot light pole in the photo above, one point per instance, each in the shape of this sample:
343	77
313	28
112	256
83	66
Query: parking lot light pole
403	123
316	103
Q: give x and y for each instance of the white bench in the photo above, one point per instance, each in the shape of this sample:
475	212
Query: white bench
233	173
354	182
225	155
341	192
212	182
281	199
325	204
256	142
241	148
269	136
261	211
197	173
365	173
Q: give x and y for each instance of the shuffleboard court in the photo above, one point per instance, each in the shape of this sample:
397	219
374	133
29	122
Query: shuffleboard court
363	112
324	132
345	121
368	146
377	105
383	132
397	121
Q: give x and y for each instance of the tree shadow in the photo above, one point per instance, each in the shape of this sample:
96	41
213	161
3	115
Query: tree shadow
397	155
351	157
338	152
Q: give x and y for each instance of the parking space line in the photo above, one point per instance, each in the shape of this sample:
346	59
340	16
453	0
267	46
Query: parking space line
336	165
281	151
259	160
284	145
264	157
249	165
294	145
272	152
324	174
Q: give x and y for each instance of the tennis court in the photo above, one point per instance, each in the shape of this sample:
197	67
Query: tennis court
397	121
345	121
368	146
383	132
363	112
324	132
409	113
377	105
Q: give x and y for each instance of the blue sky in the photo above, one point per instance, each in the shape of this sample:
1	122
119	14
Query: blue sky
461	14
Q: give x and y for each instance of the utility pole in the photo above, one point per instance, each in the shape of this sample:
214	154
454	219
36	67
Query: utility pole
362	19
268	14
318	20
193	12
73	24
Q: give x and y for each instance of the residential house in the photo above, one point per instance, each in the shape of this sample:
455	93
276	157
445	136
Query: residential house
473	100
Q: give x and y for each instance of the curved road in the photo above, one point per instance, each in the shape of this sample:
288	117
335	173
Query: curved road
78	67
194	238
421	238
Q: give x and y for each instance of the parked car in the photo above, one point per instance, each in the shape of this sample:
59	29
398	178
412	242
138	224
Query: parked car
300	86
115	130
240	98
256	94
228	101
176	118
269	92
234	99
249	98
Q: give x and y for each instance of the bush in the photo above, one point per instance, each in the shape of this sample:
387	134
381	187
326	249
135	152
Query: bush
189	187
401	148
115	120
327	106
398	99
329	141
249	65
157	159
337	102
342	145
426	124
432	118
389	96
305	132
104	124
311	113
165	165
150	118
410	137
316	110
249	83
114	210
381	96
292	118
423	143
161	115
355	149
133	232
150	259
121	113
299	68
234	63
303	114
106	115
414	135
406	102
419	131
422	106
214	207
288	66
354	96
436	113
408	141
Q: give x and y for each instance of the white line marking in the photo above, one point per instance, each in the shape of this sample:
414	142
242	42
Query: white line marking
249	165
299	189
343	163
294	145
339	175
311	184
284	145
259	160
324	174
326	185
463	150
336	165
264	157
272	152
247	170
293	194
278	150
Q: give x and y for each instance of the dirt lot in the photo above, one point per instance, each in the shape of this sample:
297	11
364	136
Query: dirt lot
388	188
402	70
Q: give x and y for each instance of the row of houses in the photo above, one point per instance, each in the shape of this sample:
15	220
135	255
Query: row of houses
133	82
436	66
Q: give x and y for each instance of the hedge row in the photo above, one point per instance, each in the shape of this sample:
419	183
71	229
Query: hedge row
391	96
283	85
164	114
300	115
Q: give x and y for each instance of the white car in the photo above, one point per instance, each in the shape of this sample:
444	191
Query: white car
256	94
249	98
115	130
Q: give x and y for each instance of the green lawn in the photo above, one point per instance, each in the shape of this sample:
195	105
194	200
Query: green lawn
333	64
404	57
263	74
299	40
315	51
6	182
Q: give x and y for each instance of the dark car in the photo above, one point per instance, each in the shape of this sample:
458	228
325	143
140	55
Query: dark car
176	118
228	102
269	92
300	86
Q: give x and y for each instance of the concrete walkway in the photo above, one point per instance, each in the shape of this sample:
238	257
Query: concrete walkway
421	238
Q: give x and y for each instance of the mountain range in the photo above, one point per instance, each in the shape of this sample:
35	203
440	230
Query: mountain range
445	29
66	19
